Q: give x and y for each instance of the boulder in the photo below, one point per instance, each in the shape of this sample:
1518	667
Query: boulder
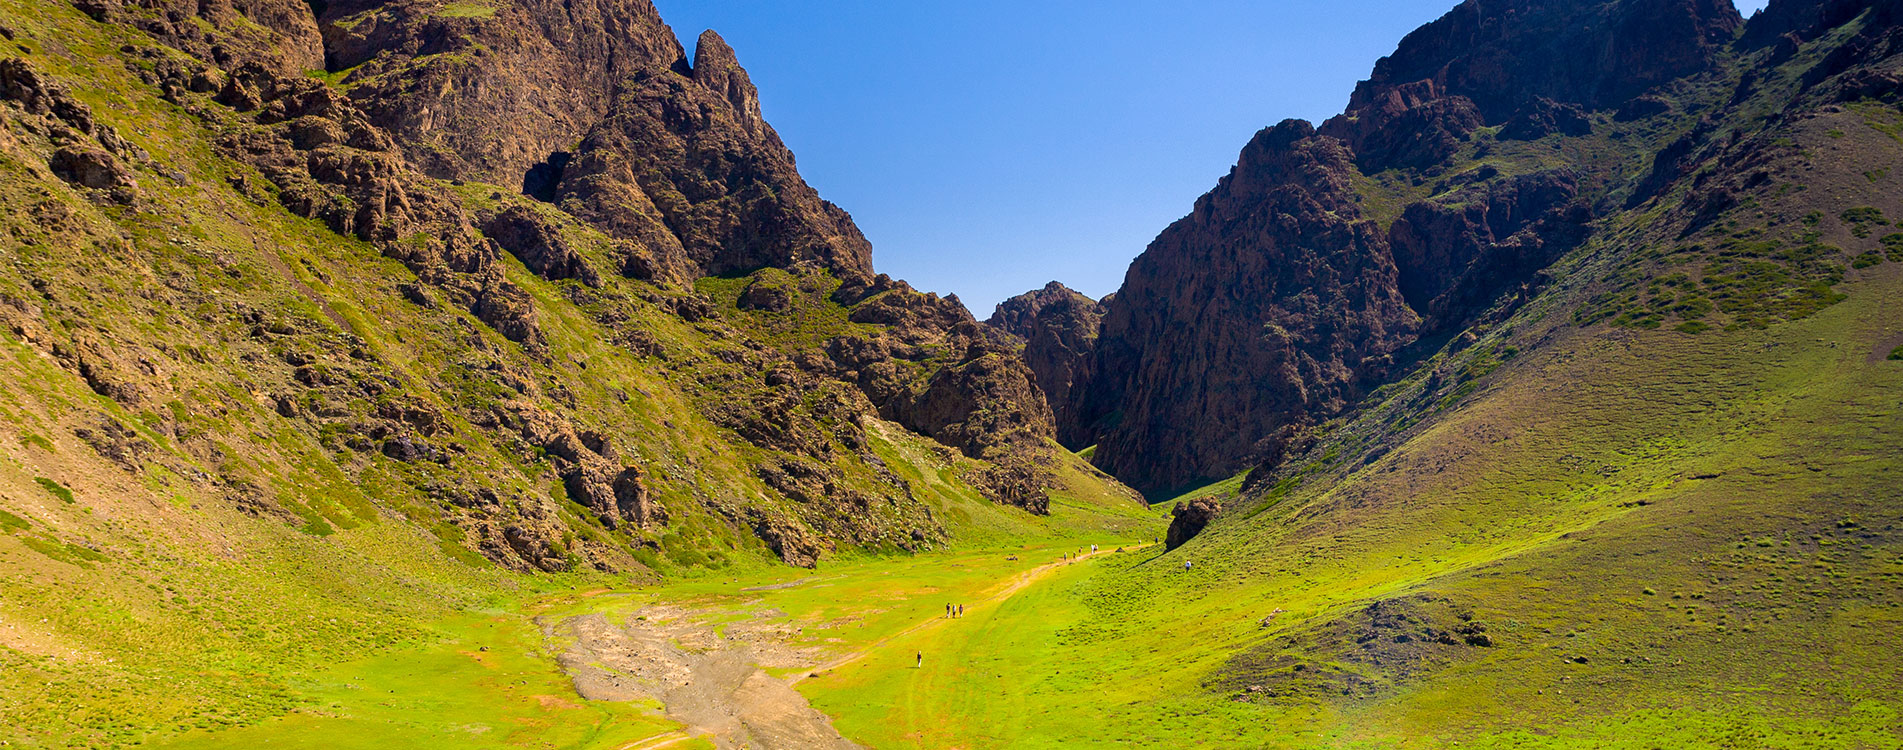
1189	519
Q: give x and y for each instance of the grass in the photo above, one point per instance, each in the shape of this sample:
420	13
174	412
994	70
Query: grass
1557	506
485	680
466	10
55	489
1671	539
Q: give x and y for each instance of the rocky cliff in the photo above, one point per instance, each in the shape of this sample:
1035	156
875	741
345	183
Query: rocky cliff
1058	330
613	328
1470	160
1273	300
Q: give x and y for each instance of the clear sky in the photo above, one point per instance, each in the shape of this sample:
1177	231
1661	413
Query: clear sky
989	146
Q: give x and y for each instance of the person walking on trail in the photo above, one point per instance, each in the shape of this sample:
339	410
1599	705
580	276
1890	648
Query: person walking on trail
921	661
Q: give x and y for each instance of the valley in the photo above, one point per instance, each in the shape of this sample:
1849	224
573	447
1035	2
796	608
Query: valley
418	374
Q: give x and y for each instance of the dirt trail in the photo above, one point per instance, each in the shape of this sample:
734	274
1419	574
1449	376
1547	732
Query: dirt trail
716	685
1011	588
713	686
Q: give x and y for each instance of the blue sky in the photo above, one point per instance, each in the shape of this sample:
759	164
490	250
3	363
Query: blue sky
987	147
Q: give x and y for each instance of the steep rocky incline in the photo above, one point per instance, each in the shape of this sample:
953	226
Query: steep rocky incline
1470	160
1058	328
458	141
685	168
604	116
1274	300
488	91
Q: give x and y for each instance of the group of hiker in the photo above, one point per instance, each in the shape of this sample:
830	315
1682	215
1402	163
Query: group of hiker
955	611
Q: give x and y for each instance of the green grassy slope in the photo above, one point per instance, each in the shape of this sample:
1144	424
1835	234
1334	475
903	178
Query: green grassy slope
205	552
1668	540
1656	505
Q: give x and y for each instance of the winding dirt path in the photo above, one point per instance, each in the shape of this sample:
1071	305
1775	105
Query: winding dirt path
1016	583
717	686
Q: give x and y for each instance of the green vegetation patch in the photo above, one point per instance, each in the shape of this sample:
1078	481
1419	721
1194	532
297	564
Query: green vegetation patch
67	552
466	10
56	490
1893	246
1862	218
10	523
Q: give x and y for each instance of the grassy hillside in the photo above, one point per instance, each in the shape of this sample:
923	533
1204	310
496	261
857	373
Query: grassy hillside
1654	503
201	516
1621	539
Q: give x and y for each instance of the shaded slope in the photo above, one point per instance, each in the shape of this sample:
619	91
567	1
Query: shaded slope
1471	159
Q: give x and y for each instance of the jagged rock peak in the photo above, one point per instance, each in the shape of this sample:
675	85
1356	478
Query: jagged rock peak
1019	314
1059	328
1502	54
491	95
717	68
1805	20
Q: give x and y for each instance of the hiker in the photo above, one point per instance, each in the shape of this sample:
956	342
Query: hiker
948	611
921	661
1186	564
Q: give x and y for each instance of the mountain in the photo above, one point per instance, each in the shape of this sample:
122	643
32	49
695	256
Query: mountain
1331	259
358	313
377	371
1544	398
1058	330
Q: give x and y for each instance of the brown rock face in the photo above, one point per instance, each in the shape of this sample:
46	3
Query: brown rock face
1527	63
539	245
91	167
1456	253
979	397
329	163
1272	303
281	35
594	105
1504	55
489	96
1275	304
1059	330
684	165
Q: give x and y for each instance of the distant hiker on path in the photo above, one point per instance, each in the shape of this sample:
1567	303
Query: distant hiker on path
921	661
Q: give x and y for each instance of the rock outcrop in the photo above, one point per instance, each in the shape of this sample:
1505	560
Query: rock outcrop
1505	55
684	166
280	35
595	106
1272	303
1188	519
1457	253
1059	329
489	92
1281	299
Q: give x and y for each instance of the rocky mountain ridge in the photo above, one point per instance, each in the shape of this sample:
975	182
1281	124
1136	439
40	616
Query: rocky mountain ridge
654	208
1332	259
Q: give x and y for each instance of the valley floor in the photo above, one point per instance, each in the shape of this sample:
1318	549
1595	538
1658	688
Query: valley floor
709	662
